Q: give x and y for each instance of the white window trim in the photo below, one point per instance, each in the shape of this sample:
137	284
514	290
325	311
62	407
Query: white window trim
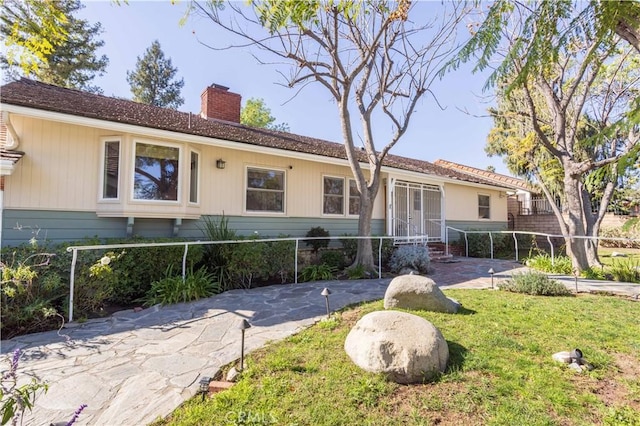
132	172
343	197
198	178
103	142
246	188
478	200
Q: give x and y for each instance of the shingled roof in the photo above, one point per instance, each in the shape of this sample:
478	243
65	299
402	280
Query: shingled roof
32	94
497	178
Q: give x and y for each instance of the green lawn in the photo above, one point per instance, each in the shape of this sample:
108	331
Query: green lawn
500	370
605	255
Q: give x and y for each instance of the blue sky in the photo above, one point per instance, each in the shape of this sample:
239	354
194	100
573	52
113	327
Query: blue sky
129	29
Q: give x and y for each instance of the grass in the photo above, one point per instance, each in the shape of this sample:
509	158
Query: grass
605	255
500	370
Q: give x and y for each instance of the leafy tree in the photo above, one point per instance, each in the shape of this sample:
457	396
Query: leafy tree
256	114
45	41
568	112
153	82
374	61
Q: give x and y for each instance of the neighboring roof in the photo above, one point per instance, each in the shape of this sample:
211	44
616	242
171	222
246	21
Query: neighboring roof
496	178
32	94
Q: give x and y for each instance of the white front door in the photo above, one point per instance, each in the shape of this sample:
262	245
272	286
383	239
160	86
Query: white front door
416	210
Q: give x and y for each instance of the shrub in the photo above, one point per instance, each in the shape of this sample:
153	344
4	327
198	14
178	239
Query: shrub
387	250
333	258
139	267
279	259
320	272
357	272
626	231
542	262
318	244
350	249
29	302
94	285
173	289
626	271
136	268
215	257
413	257
245	264
480	244
534	283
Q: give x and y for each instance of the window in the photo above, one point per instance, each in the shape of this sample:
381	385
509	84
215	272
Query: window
111	170
156	172
484	206
333	196
193	177
354	198
265	190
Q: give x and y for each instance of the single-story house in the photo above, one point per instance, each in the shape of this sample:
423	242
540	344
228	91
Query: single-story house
76	164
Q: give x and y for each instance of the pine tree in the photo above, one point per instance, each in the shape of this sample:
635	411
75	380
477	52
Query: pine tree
45	41
151	82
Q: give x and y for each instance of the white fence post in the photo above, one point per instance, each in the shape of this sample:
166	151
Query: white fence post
72	278
184	262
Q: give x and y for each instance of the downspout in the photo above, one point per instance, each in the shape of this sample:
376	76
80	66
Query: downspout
13	141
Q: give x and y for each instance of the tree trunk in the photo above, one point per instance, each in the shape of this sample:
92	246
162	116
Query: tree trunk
576	247
364	255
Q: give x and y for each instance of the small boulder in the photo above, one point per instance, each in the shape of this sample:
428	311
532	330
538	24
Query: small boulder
405	347
563	357
418	292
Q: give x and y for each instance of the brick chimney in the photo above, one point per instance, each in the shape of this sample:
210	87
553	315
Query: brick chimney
217	102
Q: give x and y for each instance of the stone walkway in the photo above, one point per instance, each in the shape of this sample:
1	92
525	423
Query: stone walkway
135	367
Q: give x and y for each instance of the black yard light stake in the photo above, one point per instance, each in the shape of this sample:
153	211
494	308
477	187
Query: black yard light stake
491	272
243	326
326	292
204	386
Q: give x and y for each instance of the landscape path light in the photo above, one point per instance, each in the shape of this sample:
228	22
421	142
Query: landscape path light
326	292
204	386
243	326
491	272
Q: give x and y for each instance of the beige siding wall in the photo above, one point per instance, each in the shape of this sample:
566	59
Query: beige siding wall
62	166
461	203
58	170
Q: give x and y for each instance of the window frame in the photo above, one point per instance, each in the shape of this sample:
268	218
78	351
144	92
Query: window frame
341	178
179	189
198	177
246	190
488	206
101	191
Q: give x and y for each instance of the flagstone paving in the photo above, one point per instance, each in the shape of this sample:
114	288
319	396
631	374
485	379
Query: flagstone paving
135	367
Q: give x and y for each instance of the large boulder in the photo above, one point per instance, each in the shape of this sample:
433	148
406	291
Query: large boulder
418	293
405	347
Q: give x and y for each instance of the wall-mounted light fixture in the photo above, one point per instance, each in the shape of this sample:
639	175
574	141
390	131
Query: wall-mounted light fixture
220	163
